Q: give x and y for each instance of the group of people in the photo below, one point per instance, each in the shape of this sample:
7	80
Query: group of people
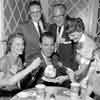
52	54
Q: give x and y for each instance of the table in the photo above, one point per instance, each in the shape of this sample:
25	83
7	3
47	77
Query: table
30	94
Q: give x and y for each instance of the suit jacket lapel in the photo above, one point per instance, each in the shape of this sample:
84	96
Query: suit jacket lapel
65	35
43	61
32	31
53	28
35	32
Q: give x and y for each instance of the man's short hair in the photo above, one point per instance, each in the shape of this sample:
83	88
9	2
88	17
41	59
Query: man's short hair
32	3
47	34
59	5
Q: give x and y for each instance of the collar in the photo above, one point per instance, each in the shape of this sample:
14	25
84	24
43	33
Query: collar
44	57
36	26
35	23
59	34
62	26
82	38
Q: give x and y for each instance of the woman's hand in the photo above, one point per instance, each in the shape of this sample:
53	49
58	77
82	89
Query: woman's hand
71	74
35	63
60	40
14	69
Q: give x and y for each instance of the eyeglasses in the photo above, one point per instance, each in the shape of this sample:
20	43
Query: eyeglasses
35	12
59	16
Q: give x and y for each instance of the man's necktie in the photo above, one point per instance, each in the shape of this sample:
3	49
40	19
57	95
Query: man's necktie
39	28
49	61
59	29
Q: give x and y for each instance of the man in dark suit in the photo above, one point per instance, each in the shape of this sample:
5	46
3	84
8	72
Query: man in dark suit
32	30
64	46
51	72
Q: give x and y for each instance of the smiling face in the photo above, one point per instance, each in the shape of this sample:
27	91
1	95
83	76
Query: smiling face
35	12
75	36
47	46
58	15
17	46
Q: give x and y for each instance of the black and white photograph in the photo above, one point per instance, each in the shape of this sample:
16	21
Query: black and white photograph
49	49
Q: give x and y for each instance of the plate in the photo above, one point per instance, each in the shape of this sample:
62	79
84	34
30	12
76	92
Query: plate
23	94
63	92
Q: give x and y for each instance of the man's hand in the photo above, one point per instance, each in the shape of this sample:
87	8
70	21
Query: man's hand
61	79
61	40
49	80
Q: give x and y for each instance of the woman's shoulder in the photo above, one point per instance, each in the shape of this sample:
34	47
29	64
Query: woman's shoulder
4	59
4	62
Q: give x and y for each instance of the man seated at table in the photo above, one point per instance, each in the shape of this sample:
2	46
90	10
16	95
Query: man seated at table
51	72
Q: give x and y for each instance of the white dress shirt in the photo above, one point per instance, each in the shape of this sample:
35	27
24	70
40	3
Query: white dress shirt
37	25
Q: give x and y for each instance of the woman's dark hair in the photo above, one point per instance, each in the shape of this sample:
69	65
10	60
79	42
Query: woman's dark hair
77	25
47	34
11	38
70	24
80	25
